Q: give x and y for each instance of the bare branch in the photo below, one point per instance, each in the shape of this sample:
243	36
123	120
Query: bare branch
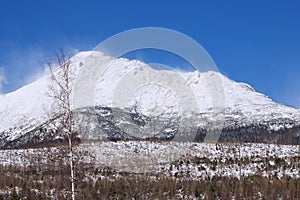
60	89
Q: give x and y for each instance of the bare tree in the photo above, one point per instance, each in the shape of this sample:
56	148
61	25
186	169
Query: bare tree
60	91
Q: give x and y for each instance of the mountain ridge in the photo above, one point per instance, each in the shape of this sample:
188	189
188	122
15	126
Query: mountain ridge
25	109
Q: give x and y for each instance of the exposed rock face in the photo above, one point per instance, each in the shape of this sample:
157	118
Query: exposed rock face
107	124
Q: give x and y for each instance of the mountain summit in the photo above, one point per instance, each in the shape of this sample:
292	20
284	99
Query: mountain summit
128	99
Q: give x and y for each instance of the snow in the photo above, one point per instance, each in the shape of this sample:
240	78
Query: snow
187	160
158	92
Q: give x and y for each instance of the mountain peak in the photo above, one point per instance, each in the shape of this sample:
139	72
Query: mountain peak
127	83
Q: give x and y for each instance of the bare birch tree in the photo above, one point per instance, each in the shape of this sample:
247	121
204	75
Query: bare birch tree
60	91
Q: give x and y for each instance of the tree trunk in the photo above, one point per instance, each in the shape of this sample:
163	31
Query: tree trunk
72	168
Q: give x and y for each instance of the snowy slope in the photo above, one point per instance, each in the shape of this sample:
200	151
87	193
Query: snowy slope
157	93
187	160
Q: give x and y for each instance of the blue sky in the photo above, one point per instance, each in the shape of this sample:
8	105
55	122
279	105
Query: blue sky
251	41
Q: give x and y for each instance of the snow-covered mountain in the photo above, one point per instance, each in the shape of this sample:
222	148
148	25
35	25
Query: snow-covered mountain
130	100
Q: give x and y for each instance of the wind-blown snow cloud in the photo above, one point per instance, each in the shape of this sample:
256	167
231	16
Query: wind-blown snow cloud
2	79
298	103
39	73
23	65
42	70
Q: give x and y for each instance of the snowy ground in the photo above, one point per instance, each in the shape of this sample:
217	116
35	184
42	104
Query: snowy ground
188	160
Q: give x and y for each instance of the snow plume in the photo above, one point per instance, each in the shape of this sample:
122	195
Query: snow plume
2	79
39	73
